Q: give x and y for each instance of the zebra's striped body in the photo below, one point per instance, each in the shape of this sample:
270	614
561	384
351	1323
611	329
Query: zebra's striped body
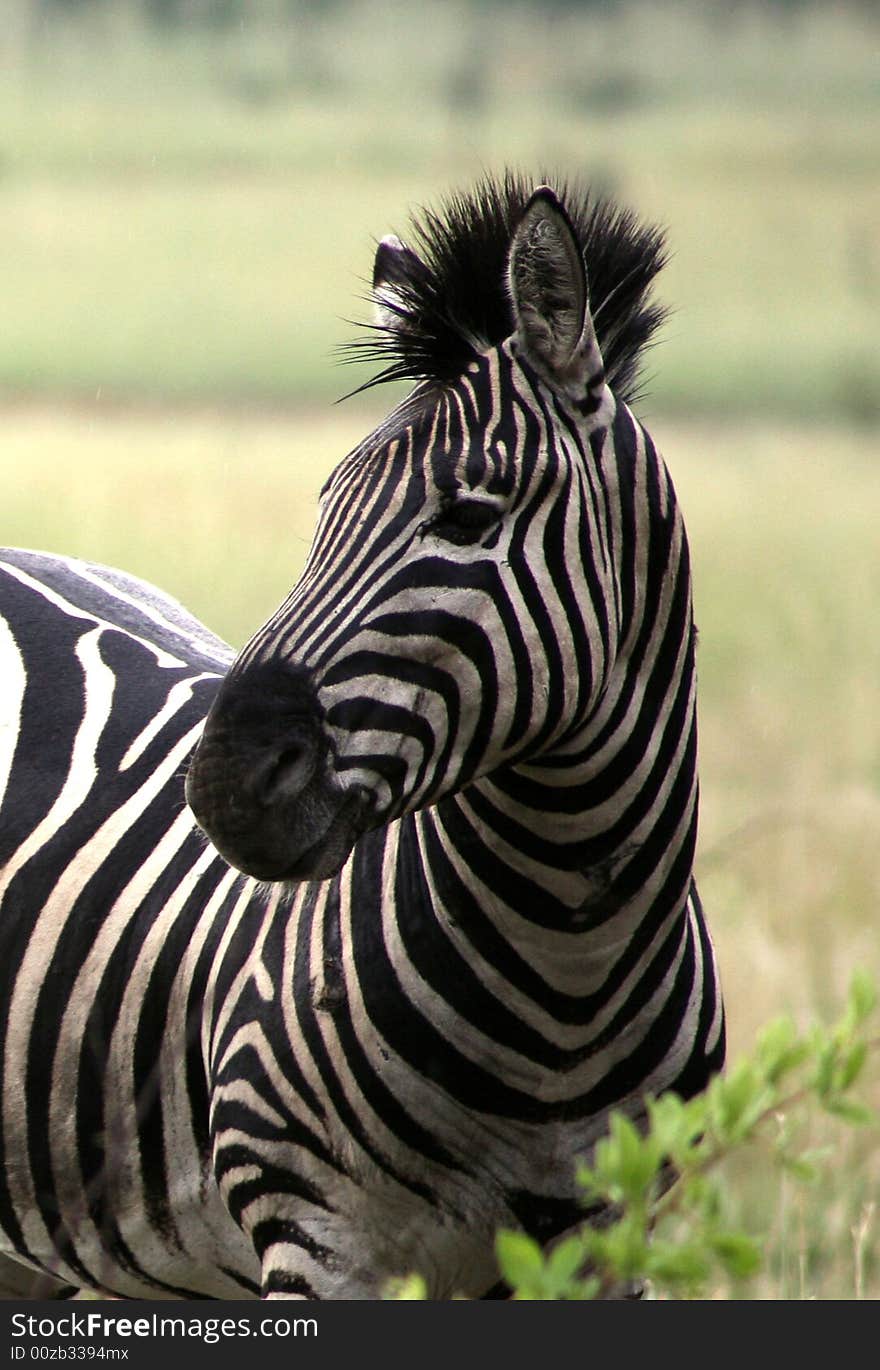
464	751
107	897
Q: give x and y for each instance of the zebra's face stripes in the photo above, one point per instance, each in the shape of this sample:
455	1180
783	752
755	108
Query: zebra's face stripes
456	612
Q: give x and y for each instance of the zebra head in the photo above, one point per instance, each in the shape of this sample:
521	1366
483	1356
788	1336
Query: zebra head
458	610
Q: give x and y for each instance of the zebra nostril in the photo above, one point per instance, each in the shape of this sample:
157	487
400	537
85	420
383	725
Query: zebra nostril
283	773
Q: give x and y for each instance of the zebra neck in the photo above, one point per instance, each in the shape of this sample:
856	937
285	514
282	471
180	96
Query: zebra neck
564	892
556	863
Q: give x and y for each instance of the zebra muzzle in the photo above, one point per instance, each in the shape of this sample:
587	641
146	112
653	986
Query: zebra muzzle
282	774
262	786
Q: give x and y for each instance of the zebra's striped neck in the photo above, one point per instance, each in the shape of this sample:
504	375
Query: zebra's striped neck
562	878
566	865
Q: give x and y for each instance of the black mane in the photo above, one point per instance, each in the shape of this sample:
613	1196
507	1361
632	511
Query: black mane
456	302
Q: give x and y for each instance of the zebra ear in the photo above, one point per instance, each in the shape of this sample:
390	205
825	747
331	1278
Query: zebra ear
548	287
394	268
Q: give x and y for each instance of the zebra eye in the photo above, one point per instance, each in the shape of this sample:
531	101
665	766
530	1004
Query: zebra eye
464	521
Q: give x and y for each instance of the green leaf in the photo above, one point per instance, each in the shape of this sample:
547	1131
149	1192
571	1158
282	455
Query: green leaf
520	1258
800	1168
605	1168
565	1260
826	1062
851	1065
583	1289
862	996
678	1264
590	1182
703	1197
668	1121
740	1256
779	1050
622	1247
857	1114
406	1287
636	1159
737	1102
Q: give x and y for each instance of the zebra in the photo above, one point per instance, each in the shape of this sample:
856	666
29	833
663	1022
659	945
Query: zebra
323	961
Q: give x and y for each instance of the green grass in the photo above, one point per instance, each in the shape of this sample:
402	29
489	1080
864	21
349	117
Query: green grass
193	216
783	525
217	508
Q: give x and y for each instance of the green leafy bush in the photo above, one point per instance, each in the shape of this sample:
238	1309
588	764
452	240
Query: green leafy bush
666	1222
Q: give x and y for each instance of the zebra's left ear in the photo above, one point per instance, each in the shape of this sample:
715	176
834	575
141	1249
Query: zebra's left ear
394	267
548	287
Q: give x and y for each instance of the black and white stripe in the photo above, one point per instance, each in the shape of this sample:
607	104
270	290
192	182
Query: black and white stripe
458	768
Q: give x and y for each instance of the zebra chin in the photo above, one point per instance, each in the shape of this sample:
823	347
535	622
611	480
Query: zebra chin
268	797
309	840
274	818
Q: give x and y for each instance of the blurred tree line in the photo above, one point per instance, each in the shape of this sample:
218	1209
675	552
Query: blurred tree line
225	13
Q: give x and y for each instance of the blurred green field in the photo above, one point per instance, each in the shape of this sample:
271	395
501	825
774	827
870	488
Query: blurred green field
187	220
191	215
